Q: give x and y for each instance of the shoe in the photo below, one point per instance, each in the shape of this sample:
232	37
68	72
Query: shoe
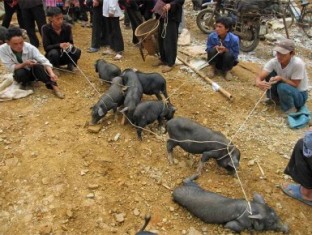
71	68
158	63
59	94
291	110
108	51
118	56
166	69
212	72
293	190
92	50
228	76
268	101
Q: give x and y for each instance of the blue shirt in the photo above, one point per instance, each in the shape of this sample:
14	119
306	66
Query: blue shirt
231	42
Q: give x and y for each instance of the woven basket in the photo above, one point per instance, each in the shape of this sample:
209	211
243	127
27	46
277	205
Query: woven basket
147	35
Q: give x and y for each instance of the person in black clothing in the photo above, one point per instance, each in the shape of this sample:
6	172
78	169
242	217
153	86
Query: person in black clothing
99	28
32	11
58	41
300	169
10	7
134	14
170	13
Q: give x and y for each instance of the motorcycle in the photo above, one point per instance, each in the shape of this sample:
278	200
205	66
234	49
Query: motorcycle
246	23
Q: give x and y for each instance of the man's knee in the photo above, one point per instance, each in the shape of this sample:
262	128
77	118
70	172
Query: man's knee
21	75
283	88
53	56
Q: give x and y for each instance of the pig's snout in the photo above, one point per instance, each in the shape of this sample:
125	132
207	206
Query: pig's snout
282	228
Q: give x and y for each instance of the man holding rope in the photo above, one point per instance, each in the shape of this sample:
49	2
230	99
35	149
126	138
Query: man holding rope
169	13
26	62
222	48
57	38
285	78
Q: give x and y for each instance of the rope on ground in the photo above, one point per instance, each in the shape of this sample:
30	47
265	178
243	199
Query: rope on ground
83	74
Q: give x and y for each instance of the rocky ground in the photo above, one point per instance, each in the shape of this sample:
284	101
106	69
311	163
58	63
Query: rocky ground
58	178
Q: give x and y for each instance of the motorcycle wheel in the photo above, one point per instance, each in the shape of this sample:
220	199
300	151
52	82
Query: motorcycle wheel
205	20
247	46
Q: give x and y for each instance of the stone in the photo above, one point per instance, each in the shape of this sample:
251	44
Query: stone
120	217
90	195
45	229
45	181
94	128
193	231
117	137
93	186
11	161
136	212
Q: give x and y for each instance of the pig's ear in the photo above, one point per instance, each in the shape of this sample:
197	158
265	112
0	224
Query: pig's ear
100	112
258	198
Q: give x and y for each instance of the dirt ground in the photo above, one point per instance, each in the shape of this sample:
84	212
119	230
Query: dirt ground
58	178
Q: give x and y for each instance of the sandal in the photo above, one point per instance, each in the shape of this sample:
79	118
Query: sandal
293	190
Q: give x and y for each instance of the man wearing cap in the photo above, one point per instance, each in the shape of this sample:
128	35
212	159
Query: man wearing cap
285	78
300	170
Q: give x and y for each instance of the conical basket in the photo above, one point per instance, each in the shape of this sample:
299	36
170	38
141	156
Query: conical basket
147	35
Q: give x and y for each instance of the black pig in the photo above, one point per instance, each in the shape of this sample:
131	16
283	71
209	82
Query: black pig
153	84
112	99
235	214
133	94
210	144
149	111
107	71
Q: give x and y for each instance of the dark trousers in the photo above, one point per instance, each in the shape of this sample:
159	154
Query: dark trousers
99	28
300	167
224	62
115	37
36	73
83	11
169	44
286	95
57	57
30	16
136	19
9	11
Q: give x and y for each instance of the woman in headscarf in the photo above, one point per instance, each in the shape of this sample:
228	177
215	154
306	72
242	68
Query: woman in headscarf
300	170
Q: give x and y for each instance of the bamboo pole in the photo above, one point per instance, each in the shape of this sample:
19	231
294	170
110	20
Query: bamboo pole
215	86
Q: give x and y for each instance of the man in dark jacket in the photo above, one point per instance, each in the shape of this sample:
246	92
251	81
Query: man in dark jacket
170	14
58	41
32	11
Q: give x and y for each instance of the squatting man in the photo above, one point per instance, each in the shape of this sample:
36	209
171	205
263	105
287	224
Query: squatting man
285	78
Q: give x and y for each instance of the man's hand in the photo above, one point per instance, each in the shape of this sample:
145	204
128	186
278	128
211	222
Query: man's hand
64	45
29	63
166	7
53	77
275	79
221	49
96	3
263	85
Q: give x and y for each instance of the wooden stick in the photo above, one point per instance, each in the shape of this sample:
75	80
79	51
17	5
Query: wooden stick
260	168
214	85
